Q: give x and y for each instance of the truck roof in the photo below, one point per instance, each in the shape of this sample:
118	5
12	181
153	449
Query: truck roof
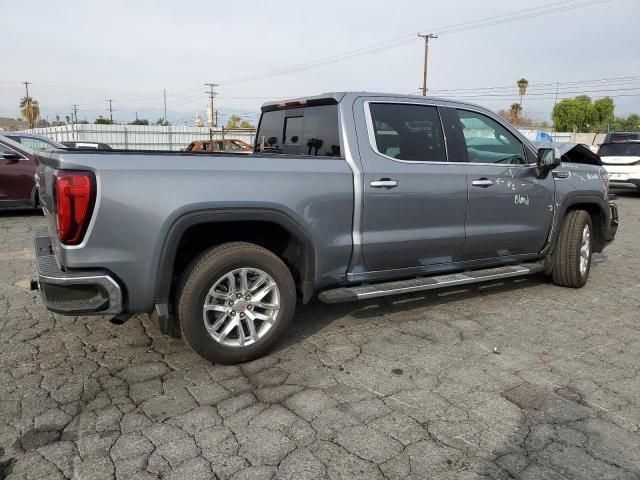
332	98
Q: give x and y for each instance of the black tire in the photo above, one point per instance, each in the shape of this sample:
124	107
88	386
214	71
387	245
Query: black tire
566	255
200	276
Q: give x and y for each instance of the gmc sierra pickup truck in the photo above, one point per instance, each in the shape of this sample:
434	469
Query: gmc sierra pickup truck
349	195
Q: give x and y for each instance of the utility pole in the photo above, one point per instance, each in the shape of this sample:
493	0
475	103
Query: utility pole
164	93
426	37
212	93
26	86
110	108
75	112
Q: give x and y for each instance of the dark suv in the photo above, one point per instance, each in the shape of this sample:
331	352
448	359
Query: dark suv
17	170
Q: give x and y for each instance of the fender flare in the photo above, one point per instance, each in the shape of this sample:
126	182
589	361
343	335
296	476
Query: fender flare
180	225
576	198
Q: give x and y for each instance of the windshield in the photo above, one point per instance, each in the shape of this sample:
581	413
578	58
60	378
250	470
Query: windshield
630	149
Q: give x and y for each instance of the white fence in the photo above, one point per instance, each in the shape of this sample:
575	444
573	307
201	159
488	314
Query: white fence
142	137
155	137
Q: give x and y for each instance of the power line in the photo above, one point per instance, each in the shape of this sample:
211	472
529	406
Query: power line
405	39
566	84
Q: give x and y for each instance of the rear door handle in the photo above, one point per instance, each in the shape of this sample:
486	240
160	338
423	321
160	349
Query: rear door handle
482	182
384	183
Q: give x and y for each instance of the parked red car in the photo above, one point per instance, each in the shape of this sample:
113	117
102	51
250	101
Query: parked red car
17	170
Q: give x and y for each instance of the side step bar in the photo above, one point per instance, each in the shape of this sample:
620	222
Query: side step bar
363	292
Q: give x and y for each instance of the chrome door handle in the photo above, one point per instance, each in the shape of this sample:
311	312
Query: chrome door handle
482	182
384	183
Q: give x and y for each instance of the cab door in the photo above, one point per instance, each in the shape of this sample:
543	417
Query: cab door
510	209
414	200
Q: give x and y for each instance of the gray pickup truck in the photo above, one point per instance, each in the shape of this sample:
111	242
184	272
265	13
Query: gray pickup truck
349	195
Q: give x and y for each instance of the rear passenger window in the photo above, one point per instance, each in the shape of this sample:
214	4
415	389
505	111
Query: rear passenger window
408	132
300	131
489	142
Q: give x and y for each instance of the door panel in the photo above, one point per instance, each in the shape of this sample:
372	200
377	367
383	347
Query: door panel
415	216
510	216
510	210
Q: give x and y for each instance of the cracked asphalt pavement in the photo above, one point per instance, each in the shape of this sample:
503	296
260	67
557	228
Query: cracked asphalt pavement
520	379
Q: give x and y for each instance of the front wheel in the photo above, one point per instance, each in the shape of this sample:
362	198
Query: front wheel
572	255
234	303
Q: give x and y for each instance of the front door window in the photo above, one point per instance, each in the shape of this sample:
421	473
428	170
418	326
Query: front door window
489	142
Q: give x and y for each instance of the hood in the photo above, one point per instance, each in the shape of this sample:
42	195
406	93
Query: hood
572	152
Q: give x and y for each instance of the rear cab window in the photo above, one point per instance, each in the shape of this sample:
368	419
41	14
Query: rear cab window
311	130
408	132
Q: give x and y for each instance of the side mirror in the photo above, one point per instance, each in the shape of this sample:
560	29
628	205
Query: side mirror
11	155
548	159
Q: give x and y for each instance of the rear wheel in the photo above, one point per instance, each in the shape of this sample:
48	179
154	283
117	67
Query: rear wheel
572	255
234	302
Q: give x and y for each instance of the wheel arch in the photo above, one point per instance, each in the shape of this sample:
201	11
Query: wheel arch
299	253
598	210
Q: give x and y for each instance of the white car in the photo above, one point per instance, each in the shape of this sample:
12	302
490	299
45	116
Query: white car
622	162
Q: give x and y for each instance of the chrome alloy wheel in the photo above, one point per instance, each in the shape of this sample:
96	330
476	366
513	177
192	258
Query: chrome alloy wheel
585	250
241	307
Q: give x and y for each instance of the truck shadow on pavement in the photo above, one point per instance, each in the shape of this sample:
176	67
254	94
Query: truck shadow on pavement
20	212
316	316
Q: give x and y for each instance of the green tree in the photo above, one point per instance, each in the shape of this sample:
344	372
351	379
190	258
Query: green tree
604	112
30	110
233	122
630	123
100	120
577	114
162	121
515	109
523	83
246	124
139	121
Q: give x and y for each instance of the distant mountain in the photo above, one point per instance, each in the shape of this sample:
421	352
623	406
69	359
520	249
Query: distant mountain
7	123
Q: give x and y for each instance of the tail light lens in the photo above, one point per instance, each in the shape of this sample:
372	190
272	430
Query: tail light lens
74	192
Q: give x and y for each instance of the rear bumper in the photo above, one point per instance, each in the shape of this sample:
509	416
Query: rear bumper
74	293
623	176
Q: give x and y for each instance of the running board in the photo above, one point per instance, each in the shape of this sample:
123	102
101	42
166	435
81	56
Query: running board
363	292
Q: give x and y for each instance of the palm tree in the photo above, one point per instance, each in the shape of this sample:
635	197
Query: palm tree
515	110
523	83
30	110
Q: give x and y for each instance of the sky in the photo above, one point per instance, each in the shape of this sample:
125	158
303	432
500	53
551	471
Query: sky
83	52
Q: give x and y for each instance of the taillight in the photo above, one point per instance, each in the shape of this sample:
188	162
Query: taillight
74	201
